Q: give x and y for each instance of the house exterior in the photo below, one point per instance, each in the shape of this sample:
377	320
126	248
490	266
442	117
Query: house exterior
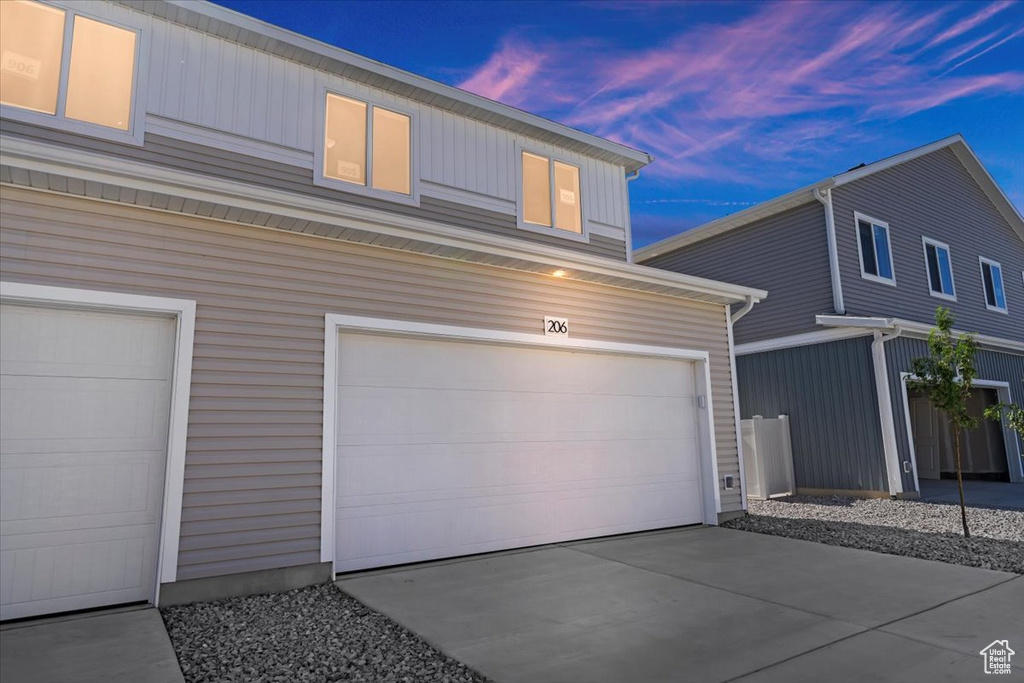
272	310
857	265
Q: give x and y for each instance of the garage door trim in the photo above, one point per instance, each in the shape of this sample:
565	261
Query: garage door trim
184	311
335	324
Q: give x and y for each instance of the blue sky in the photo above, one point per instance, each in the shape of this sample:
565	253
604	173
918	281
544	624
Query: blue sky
739	102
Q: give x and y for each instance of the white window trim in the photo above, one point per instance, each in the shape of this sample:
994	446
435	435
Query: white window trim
925	241
135	135
334	324
857	218
583	236
1002	277
184	311
367	190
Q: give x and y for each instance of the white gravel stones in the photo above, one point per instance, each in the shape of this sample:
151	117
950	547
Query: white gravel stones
312	634
931	531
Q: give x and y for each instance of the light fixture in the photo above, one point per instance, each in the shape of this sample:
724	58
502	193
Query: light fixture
559	273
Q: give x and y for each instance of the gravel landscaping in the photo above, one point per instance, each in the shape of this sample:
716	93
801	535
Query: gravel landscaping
312	634
931	531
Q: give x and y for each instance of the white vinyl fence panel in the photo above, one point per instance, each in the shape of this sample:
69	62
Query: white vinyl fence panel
768	457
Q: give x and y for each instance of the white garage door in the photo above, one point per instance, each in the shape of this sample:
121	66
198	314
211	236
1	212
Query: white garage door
452	448
84	404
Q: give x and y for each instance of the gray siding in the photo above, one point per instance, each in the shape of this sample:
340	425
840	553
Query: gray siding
899	357
252	473
786	254
932	196
218	163
828	390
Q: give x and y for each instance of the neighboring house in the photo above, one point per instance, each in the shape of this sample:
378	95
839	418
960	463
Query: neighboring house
272	310
856	266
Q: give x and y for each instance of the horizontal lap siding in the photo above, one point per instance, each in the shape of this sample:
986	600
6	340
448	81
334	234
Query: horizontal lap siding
219	163
786	254
932	196
828	391
252	494
900	354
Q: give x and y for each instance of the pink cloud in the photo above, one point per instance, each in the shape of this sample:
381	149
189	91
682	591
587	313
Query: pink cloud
776	84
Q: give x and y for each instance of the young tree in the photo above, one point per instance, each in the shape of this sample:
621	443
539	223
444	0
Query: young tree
1014	415
947	377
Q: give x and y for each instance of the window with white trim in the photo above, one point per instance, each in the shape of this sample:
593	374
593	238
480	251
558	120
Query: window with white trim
939	265
58	63
366	147
875	250
550	194
992	283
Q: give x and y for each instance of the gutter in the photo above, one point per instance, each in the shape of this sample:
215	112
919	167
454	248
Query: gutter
733	318
885	416
833	250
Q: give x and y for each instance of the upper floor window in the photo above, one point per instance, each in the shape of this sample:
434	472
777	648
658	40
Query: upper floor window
992	282
367	147
550	195
875	250
940	269
67	66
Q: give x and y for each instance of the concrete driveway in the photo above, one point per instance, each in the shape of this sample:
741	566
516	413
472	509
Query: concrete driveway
705	604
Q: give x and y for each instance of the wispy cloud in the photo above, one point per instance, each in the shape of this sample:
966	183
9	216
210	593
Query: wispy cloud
775	85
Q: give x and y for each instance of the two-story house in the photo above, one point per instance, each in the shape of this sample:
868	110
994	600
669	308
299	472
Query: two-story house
272	310
856	266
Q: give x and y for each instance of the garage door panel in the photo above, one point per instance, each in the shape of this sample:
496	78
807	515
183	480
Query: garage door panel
377	475
85	404
449	448
65	343
377	415
386	362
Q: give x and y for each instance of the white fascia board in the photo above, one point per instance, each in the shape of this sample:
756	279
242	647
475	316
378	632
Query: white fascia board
479	106
45	158
912	328
805	195
895	160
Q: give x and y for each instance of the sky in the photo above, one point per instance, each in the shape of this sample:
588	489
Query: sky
738	102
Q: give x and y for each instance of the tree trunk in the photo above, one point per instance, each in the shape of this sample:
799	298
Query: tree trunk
960	483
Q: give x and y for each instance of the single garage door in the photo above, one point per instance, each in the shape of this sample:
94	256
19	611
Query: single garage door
84	404
449	448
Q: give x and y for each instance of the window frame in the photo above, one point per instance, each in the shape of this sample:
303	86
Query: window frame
857	218
367	190
982	262
135	135
925	243
584	234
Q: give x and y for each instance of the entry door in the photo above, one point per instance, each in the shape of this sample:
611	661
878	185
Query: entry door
928	437
453	448
84	405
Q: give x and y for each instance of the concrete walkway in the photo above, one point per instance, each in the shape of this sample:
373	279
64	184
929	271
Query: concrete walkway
704	604
989	493
116	646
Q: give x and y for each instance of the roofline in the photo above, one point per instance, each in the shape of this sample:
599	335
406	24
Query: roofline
631	159
909	326
47	158
805	195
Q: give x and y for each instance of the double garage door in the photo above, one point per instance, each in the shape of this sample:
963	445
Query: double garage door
448	448
84	404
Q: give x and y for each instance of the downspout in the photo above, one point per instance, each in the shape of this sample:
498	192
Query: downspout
731	320
833	250
885	416
629	222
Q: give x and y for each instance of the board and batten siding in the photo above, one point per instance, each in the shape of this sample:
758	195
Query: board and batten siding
828	392
215	84
932	196
785	254
252	478
168	152
899	357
